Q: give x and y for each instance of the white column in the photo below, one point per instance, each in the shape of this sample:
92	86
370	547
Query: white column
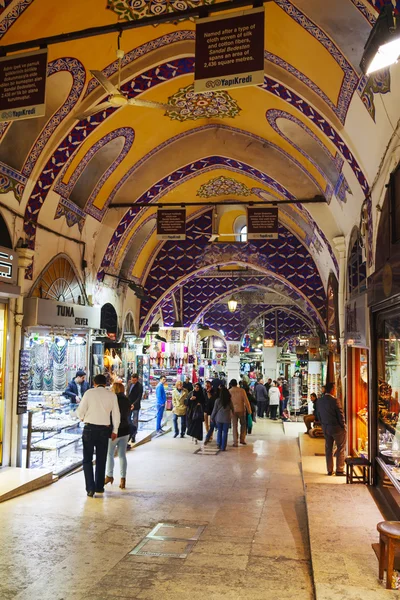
24	260
340	246
232	361
270	356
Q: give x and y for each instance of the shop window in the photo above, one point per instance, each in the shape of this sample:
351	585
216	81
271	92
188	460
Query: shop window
388	367
395	204
357	364
357	269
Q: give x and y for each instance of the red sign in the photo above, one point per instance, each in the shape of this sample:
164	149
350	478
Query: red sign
262	223
171	224
23	85
229	51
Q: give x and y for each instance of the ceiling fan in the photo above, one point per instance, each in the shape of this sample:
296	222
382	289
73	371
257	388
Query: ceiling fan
117	98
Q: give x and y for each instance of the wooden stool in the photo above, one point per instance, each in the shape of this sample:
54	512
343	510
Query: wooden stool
357	461
389	538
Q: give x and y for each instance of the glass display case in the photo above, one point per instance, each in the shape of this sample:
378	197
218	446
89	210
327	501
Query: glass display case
388	383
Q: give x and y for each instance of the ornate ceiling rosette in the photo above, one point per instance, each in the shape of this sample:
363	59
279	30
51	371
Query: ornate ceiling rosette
206	105
222	186
133	10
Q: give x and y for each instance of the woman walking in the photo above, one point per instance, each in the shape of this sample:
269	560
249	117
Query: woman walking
222	416
274	399
195	413
253	403
121	441
179	395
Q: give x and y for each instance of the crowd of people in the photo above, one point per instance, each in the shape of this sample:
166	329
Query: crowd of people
196	410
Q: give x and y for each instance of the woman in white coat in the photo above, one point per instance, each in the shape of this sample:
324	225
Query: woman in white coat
274	397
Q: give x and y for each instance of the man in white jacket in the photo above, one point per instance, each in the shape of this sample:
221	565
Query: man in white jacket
97	407
274	398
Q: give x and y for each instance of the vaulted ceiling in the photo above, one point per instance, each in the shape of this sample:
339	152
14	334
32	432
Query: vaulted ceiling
301	134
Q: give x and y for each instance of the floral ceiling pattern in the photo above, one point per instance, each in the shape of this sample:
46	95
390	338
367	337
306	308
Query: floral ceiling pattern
191	106
132	10
222	186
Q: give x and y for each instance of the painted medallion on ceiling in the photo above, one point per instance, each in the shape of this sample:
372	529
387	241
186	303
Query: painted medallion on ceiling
132	10
222	186
191	106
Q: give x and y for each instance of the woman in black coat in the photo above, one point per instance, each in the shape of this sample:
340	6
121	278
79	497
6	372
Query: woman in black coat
195	413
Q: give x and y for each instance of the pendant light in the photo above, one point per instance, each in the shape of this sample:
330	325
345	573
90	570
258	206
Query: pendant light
232	304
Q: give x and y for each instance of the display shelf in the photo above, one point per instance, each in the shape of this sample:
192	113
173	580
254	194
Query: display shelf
55	443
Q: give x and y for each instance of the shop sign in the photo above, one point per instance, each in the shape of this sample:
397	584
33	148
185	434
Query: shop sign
262	223
23	85
171	224
355	329
8	266
38	311
269	343
229	51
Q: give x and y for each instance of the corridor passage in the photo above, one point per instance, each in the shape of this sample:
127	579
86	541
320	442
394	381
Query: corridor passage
58	544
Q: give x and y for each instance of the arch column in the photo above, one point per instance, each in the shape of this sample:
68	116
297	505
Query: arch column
340	245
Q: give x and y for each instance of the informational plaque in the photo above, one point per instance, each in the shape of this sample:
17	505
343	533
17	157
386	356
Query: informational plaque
171	224
229	51
23	85
23	382
262	223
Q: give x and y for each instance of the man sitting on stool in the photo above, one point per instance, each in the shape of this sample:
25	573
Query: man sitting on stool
309	419
330	415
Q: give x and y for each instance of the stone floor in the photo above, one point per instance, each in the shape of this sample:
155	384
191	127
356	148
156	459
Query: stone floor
57	544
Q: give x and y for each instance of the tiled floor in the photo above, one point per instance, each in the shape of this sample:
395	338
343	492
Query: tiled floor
57	544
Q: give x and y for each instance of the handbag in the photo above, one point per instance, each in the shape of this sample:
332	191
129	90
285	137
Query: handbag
249	422
198	413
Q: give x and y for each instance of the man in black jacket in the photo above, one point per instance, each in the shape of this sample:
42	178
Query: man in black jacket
135	398
77	387
330	415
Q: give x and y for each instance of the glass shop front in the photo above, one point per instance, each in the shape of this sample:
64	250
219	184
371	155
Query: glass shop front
57	344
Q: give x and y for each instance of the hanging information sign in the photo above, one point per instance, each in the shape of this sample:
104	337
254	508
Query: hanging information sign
23	85
229	51
262	223
171	224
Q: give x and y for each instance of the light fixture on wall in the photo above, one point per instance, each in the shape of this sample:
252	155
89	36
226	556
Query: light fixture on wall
232	304
383	45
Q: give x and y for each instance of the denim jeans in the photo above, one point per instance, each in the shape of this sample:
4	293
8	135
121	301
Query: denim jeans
95	437
222	437
133	424
160	413
213	426
183	424
120	443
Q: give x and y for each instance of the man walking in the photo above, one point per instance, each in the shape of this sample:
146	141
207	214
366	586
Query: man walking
261	395
135	398
97	407
330	415
241	406
161	397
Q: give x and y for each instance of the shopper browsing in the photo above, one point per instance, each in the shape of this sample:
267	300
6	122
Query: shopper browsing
135	398
97	407
222	416
241	407
179	395
121	441
161	398
274	399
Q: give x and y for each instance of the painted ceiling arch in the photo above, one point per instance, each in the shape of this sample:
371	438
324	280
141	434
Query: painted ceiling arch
175	263
312	77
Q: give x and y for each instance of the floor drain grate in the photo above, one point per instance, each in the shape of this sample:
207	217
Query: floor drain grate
204	451
169	540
